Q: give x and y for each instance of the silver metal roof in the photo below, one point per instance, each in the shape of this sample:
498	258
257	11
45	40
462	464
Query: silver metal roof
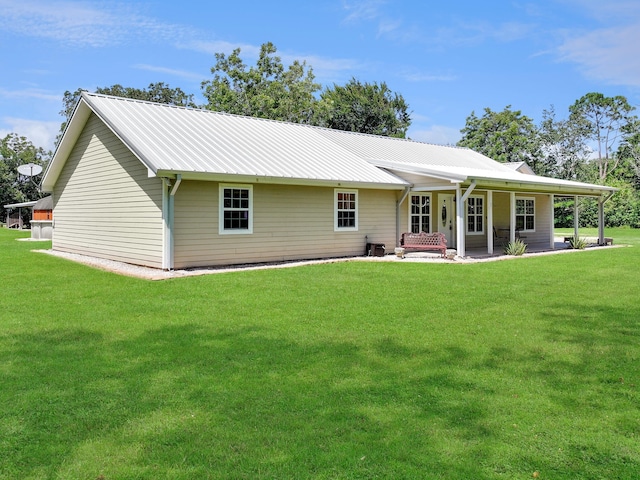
178	139
170	139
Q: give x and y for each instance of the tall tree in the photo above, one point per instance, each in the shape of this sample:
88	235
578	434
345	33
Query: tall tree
564	152
15	188
267	90
364	107
507	136
602	120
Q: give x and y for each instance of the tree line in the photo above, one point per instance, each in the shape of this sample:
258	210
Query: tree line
598	141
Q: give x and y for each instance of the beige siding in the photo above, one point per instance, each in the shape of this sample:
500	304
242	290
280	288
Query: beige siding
290	222
104	203
543	221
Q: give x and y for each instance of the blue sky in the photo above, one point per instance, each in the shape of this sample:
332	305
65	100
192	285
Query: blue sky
446	58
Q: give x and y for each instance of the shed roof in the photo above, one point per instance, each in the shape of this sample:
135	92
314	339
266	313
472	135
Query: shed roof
178	140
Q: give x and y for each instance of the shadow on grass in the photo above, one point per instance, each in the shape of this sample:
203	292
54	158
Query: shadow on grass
190	401
231	404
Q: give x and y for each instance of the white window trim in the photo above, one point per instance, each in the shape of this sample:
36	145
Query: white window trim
411	194
483	215
335	210
221	229
534	213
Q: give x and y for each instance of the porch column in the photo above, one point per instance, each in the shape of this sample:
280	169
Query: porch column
576	217
489	228
512	221
552	240
601	220
460	223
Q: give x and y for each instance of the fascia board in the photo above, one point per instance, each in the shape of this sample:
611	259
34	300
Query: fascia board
253	179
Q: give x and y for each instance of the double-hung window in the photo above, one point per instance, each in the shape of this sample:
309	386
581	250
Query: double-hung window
236	209
475	215
346	210
525	214
420	214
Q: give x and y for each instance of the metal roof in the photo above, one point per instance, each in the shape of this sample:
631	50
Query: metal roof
169	139
177	139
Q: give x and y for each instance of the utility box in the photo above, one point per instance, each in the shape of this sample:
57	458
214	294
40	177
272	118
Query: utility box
375	250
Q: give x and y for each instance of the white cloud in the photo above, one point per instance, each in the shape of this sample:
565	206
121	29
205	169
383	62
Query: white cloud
438	134
41	134
169	71
608	54
84	24
31	93
362	10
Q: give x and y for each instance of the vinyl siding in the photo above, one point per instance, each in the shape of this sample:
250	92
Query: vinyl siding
104	203
289	223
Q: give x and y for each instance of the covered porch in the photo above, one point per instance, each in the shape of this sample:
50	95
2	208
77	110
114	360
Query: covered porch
480	215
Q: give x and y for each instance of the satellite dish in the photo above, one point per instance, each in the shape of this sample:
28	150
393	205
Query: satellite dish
29	170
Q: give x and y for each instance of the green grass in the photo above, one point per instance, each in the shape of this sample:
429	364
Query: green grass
336	371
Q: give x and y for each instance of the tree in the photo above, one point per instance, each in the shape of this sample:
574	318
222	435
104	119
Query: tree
564	152
602	120
14	188
156	92
267	90
506	136
364	107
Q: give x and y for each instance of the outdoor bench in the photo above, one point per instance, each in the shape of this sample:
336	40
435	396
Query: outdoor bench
424	241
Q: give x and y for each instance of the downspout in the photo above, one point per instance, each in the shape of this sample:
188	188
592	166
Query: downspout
168	208
172	196
398	203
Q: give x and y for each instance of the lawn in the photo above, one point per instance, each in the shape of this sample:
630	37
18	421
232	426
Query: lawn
527	368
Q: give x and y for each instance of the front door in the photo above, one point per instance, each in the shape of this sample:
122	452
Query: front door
446	217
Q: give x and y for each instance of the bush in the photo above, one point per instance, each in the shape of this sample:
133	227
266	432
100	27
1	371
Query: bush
517	248
577	243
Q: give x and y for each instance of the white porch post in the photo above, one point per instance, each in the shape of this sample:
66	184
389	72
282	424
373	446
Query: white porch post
512	222
576	217
489	228
460	223
552	240
601	220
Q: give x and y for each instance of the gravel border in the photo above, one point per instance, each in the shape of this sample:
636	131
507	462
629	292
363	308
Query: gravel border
149	273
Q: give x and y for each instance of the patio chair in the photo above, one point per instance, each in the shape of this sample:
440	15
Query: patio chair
498	238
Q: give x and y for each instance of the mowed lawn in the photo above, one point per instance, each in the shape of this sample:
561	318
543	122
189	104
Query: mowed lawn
518	369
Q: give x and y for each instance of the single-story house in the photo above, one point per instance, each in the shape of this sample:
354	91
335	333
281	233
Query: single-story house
172	187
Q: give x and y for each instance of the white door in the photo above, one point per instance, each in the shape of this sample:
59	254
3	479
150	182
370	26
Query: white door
446	218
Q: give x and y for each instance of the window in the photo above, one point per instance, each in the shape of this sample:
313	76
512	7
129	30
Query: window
525	214
346	210
236	209
420	213
475	215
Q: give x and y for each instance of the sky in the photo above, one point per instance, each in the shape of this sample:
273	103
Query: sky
446	58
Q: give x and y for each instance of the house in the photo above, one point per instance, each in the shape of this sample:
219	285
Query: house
173	187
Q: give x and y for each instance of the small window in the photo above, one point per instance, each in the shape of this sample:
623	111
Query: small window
475	215
346	210
236	209
420	213
525	214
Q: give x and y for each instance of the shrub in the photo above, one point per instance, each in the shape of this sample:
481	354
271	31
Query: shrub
577	243
517	247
